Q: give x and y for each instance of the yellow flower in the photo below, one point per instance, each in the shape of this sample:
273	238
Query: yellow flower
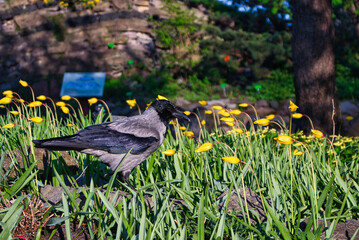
148	104
159	97
46	1
65	110
36	119
208	112
41	98
169	152
227	119
297	115
21	100
205	147
23	83
235	112
189	134
14	113
349	118
233	160
224	113
203	102
203	122
65	98
270	116
5	100
8	93
284	139
292	107
187	113
60	104
173	122
243	105
70	125
317	133
182	128
297	153
298	144
132	103
238	130
9	125
35	104
217	107
230	124
262	122
92	101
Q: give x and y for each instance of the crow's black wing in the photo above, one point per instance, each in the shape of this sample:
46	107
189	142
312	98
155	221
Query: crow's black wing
102	137
99	137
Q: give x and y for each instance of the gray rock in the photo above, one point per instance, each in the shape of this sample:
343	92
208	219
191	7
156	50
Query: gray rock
349	108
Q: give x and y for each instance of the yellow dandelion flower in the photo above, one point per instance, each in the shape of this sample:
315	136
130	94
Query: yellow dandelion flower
5	100
217	107
65	98
297	115
23	83
238	130
169	152
230	124
232	160
187	113
224	113
349	118
317	133
183	128
297	153
159	97
36	119
173	122
35	104
270	116
14	113
262	122
298	144
92	101
292	107
189	134
203	102
243	105
235	112
60	104
65	110
205	147
41	98
132	103
203	122
70	125
227	119
284	139
8	93
208	112
9	125
46	1
21	100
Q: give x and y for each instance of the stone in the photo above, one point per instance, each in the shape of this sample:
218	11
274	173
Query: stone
349	108
261	103
353	129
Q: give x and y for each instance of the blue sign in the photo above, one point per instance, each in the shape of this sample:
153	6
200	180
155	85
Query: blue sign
83	84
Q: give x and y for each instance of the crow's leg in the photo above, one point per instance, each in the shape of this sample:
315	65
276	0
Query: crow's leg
124	177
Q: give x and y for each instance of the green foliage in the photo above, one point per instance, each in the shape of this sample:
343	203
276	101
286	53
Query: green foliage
278	86
347	83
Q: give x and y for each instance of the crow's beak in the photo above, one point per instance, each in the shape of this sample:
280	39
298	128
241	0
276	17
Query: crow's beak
181	115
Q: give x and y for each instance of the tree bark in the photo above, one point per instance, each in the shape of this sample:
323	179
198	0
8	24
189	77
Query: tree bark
313	65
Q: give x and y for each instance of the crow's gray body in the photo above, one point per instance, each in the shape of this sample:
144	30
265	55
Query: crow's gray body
138	135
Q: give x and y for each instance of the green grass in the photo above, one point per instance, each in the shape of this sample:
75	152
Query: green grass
320	184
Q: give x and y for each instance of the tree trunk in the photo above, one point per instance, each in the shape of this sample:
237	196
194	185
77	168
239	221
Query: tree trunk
313	65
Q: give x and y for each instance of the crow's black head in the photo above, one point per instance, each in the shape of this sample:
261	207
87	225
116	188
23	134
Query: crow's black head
167	111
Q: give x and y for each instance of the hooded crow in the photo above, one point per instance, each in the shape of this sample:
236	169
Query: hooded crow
139	136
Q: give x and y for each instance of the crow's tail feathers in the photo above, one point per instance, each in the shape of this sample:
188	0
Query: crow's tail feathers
58	144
